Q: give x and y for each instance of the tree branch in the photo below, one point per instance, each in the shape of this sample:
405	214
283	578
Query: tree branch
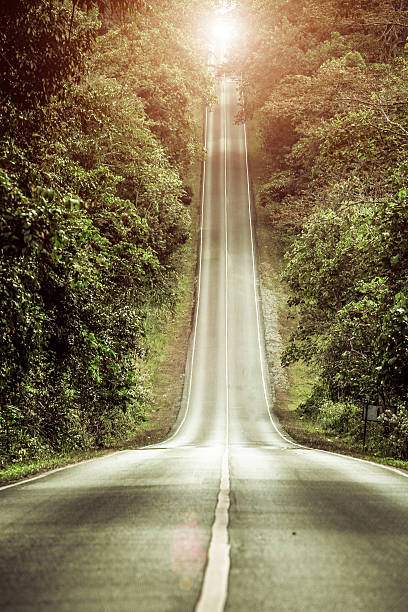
71	23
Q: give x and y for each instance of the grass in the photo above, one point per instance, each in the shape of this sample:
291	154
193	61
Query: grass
300	384
18	471
292	385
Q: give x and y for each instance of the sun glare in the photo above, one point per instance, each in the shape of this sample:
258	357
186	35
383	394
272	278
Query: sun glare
223	30
223	26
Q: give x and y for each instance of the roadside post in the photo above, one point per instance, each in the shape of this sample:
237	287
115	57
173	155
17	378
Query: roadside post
372	413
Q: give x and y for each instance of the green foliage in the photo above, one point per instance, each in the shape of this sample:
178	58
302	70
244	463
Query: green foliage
396	432
92	213
67	337
347	277
42	45
339	418
154	61
393	344
327	83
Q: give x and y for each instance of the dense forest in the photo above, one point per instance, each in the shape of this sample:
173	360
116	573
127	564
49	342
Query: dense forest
326	85
100	125
100	122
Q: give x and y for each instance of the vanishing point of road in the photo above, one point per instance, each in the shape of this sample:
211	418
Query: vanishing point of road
228	513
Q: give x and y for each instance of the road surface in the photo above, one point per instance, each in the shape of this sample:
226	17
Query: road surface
227	513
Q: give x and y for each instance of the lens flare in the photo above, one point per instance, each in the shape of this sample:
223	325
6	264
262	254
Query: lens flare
223	30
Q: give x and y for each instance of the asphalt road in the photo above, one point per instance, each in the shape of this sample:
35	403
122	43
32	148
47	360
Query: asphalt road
307	530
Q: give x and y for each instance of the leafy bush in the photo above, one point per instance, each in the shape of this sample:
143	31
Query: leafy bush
339	418
396	431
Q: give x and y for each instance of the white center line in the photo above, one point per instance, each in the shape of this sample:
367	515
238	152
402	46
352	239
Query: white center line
215	584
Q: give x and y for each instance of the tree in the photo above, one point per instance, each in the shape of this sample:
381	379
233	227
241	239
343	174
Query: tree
91	213
327	86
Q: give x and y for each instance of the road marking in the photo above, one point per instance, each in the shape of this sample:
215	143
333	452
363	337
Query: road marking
66	467
256	301
226	272
293	444
215	583
193	352
54	471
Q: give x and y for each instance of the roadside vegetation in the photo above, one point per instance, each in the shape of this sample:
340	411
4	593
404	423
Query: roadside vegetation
326	89
100	143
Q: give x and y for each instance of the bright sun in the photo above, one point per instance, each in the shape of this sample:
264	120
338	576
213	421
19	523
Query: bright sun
223	30
223	27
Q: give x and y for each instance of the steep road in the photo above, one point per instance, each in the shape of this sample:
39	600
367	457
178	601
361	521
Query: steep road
287	528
